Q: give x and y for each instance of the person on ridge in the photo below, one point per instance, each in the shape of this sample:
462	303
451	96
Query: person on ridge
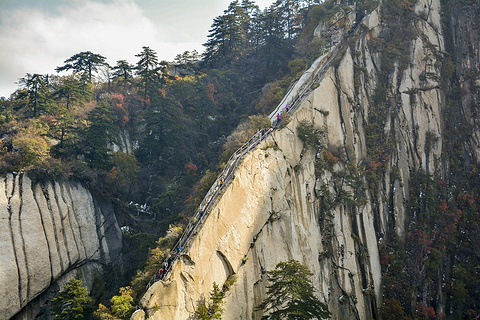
159	274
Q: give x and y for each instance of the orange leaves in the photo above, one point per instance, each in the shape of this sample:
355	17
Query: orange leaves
466	199
443	206
211	91
408	5
374	165
191	168
425	311
329	157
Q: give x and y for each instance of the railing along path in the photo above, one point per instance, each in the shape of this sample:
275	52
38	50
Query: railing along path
228	172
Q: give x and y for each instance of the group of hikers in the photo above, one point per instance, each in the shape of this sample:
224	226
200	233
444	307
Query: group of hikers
166	264
279	115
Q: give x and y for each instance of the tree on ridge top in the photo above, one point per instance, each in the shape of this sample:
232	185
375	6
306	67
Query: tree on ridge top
85	62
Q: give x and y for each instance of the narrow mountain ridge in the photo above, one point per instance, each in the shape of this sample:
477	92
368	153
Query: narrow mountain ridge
340	205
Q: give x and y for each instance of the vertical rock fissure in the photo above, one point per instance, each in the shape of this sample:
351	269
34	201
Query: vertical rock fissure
55	227
73	210
44	232
20	186
415	129
345	294
339	101
100	226
70	222
12	237
63	230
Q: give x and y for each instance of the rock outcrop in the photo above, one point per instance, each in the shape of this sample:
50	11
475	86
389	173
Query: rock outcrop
328	207
49	232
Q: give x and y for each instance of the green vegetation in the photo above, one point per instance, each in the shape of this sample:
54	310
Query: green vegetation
290	294
433	272
158	252
122	306
72	302
307	133
394	44
213	309
71	125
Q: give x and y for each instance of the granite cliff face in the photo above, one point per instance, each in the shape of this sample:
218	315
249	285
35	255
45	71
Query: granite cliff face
332	206
49	232
289	200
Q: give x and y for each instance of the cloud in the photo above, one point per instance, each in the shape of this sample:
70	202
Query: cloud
35	41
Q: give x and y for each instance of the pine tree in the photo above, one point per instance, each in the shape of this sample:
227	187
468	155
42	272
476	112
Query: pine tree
35	86
214	310
290	294
72	302
67	90
218	43
96	138
147	69
85	62
122	72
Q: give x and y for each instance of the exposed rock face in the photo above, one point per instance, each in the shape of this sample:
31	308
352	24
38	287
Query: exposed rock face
465	38
285	203
47	232
123	142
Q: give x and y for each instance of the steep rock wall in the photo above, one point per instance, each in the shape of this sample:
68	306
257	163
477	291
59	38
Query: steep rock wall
464	35
47	232
288	200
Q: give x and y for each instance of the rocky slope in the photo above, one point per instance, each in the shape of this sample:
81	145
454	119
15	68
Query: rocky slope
49	232
330	206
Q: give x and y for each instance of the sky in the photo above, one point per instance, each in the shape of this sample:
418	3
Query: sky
36	36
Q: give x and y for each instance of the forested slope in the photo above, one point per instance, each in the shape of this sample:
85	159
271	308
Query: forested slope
380	199
142	136
381	204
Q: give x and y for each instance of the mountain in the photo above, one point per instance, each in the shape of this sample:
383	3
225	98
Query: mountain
51	232
381	204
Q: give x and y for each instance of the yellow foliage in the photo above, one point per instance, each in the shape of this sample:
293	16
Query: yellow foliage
103	313
32	148
173	232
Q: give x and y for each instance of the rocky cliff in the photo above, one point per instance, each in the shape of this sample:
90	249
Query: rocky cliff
49	232
380	122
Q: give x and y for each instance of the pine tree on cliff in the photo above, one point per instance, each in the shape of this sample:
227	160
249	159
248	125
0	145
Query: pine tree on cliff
148	70
122	72
290	294
214	310
35	89
72	302
84	62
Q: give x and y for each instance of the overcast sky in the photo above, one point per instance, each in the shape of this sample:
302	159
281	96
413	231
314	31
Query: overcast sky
38	35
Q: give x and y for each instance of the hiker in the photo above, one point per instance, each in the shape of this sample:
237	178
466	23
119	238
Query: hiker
221	181
287	107
159	274
279	118
169	261
179	249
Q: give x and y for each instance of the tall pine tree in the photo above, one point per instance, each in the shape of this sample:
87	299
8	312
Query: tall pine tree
290	294
72	302
148	70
